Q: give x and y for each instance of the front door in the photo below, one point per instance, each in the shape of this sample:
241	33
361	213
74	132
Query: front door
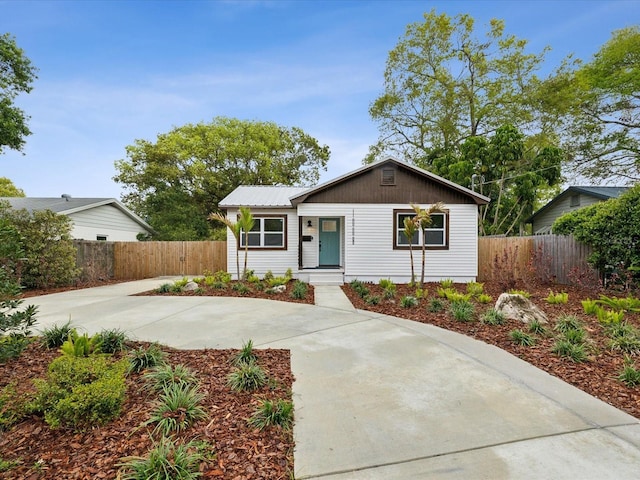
329	242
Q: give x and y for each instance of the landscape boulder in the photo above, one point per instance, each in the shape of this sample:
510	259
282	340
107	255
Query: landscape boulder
519	307
190	287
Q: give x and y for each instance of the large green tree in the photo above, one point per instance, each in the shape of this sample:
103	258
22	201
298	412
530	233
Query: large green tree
16	76
597	108
444	83
8	189
176	182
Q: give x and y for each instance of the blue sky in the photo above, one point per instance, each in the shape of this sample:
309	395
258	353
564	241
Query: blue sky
114	71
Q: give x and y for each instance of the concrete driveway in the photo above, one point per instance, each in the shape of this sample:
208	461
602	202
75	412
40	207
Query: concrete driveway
378	397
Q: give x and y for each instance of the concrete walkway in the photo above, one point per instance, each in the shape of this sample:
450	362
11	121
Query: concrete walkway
378	397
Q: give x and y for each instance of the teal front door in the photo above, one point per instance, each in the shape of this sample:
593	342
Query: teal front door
329	242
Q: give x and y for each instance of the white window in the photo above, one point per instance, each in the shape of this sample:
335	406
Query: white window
436	234
267	232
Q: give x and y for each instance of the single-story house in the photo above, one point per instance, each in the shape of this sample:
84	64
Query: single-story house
571	199
351	227
93	218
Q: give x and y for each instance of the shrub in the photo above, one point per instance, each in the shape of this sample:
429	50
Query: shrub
241	288
522	338
80	345
247	378
524	293
371	300
269	413
56	335
145	357
161	376
111	341
166	461
493	317
408	301
537	328
446	283
557	298
629	374
246	355
628	304
299	290
436	305
81	391
12	406
589	306
462	310
177	409
15	328
388	287
574	351
268	276
484	298
475	288
567	322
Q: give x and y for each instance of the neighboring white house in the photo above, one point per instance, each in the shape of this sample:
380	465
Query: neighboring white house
571	199
93	218
351	227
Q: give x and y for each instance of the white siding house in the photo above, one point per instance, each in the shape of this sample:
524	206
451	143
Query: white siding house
93	218
350	228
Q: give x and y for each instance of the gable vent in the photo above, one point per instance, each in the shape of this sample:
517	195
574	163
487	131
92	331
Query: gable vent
388	176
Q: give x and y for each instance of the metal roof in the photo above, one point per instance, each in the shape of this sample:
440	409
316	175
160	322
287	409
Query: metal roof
67	205
261	196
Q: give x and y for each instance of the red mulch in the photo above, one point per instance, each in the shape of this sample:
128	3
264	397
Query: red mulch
597	376
241	452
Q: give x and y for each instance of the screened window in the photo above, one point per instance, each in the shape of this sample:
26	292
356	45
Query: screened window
267	232
435	235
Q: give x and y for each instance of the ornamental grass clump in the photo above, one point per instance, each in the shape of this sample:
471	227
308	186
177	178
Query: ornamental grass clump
246	355
493	317
624	337
177	409
462	310
247	378
408	301
162	376
436	305
271	413
630	375
145	357
56	335
112	341
299	290
522	338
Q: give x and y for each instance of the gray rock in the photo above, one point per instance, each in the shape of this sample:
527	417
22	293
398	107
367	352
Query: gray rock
190	287
518	307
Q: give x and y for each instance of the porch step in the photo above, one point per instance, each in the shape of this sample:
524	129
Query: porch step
326	278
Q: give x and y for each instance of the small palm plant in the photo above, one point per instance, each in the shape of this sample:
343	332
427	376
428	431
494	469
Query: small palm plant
243	226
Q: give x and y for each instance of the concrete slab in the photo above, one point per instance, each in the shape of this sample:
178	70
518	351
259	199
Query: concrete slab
380	397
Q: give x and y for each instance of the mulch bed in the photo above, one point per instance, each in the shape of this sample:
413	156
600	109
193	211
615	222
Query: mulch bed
597	376
241	452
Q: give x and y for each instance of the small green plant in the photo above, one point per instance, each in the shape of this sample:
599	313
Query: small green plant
462	310
408	301
56	335
445	292
247	378
277	281
241	288
537	328
164	288
270	413
446	283
484	298
475	288
436	305
6	465
12	406
567	322
372	300
166	461
80	345
573	351
299	290
576	336
454	296
112	341
359	288
524	293
493	317
522	338
246	355
630	375
589	306
624	337
161	376
557	298
268	275
388	287
177	409
609	317
421	293
628	304
145	357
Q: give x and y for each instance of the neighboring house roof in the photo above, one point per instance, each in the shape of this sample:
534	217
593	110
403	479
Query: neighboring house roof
67	205
601	193
261	196
282	196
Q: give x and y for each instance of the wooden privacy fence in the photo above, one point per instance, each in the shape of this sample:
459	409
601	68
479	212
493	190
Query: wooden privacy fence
552	257
134	260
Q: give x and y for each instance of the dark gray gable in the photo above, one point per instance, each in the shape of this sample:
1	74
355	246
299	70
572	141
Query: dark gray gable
389	182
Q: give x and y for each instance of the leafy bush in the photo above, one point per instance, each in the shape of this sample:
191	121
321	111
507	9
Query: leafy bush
462	310
524	293
12	406
408	301
166	461
111	341
145	357
589	306
15	328
81	392
161	376
177	409
493	317
475	288
484	298
436	305
246	355
165	288
557	298
247	378
269	413
388	287
299	290
446	283
56	335
522	338
80	345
